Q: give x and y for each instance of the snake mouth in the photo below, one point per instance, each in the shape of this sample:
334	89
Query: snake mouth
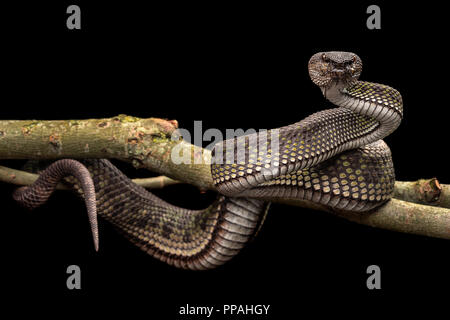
341	73
337	79
328	69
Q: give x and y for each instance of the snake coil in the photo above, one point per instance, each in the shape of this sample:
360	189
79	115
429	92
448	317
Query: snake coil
334	157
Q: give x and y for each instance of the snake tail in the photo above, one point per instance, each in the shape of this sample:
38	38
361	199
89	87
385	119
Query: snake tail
189	239
37	193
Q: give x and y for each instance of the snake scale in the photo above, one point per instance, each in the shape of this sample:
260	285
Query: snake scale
334	157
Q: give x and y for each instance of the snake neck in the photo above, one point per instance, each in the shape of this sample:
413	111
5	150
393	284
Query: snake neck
366	113
372	100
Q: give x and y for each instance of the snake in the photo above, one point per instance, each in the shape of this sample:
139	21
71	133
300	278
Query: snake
334	157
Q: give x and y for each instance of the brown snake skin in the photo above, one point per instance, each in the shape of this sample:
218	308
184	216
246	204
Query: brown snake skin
334	157
190	239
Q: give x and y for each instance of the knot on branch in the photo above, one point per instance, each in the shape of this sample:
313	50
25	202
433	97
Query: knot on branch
166	126
429	190
55	142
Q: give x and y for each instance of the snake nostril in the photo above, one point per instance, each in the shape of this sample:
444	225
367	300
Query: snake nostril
338	73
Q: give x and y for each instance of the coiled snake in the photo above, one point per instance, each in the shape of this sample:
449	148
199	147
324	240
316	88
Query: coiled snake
333	157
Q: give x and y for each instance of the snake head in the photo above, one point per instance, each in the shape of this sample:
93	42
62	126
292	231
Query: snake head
334	68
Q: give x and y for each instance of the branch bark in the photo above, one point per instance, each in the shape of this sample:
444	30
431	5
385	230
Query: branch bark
424	191
395	215
150	143
146	143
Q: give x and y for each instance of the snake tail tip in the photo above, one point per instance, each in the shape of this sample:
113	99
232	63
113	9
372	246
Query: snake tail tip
96	241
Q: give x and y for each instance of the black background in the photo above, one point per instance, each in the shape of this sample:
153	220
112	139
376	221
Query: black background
231	66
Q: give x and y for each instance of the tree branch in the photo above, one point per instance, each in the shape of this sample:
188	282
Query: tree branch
23	178
395	215
423	191
414	191
148	143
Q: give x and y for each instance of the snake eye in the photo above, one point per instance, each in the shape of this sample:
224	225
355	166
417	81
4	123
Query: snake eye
324	57
354	58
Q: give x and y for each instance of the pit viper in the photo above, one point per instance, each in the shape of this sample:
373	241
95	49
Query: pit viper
333	157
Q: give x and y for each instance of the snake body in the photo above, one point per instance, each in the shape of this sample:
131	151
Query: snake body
334	157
